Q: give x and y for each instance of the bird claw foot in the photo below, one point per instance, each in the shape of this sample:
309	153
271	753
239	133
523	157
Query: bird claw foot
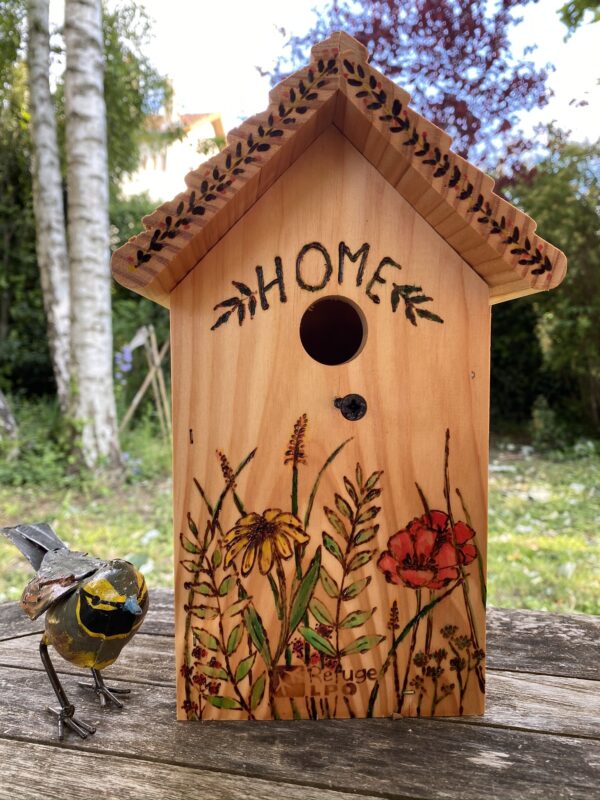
103	692
66	719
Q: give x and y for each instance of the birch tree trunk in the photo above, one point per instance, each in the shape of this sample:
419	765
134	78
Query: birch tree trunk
8	429
51	245
93	402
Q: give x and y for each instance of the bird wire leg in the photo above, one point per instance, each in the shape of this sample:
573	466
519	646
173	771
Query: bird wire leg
103	691
65	714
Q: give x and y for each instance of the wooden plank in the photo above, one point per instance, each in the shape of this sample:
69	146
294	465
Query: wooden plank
146	659
14	622
535	641
379	757
518	640
79	776
565	706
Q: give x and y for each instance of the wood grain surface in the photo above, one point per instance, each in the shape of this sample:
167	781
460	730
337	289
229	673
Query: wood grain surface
538	739
237	387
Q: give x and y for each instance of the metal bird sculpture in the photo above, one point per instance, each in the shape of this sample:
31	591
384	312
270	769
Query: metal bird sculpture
93	608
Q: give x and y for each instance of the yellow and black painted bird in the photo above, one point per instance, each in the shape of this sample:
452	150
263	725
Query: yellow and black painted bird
93	608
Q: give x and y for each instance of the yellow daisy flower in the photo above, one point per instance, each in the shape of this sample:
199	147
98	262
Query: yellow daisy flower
267	534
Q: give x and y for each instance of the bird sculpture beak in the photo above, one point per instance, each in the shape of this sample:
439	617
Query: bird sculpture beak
132	605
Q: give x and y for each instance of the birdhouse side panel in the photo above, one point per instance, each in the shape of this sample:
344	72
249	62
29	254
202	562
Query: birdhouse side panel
330	417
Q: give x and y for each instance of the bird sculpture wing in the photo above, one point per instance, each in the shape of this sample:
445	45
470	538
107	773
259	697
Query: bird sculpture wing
59	574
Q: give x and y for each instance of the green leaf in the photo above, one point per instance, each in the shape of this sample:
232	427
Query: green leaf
276	598
336	523
236	608
305	590
258	690
360	559
216	557
213	672
188	546
362	644
351	490
226	585
191	566
223	702
355	588
365	535
371	495
205	612
359	475
205	638
192	526
315	487
320	612
356	618
332	546
365	516
343	506
244	667
235	637
372	480
319	642
256	629
329	584
204	588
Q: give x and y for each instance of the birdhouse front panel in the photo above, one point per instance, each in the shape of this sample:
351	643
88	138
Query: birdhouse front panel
330	360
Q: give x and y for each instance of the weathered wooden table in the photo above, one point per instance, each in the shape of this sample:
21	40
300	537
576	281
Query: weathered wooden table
539	737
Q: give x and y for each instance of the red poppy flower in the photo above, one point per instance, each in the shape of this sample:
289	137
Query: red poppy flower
424	555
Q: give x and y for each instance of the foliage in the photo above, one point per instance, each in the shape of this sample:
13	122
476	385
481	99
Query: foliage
573	13
133	89
562	193
24	356
516	364
12	14
453	57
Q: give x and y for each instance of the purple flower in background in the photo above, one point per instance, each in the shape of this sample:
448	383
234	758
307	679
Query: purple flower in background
123	363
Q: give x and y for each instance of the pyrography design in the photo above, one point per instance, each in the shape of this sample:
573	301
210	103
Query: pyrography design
234	662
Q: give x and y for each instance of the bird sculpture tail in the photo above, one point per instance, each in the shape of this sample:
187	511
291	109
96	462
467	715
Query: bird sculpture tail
34	541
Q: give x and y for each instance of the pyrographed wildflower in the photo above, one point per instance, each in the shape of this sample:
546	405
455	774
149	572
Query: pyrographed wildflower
266	535
295	450
226	469
394	622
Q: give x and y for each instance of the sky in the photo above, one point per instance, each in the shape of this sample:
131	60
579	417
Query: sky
210	50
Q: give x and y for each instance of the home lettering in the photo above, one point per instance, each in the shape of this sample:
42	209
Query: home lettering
314	271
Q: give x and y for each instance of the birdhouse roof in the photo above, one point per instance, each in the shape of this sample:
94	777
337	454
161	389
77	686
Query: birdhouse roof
340	88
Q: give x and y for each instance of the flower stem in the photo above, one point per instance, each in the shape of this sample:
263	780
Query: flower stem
411	651
401	636
465	587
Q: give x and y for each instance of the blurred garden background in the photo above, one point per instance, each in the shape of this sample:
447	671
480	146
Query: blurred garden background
514	82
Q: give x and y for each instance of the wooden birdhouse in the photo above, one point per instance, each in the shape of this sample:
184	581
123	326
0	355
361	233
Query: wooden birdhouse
329	277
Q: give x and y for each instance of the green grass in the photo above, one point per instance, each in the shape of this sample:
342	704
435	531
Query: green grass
544	547
543	541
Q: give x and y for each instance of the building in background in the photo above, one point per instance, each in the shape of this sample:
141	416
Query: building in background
175	146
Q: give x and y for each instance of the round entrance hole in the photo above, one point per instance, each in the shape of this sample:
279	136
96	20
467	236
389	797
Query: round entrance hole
333	330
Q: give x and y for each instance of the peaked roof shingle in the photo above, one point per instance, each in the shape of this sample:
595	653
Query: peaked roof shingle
339	88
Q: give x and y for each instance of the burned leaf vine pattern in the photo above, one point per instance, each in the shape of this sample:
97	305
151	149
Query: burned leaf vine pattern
276	628
396	117
413	297
236	159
